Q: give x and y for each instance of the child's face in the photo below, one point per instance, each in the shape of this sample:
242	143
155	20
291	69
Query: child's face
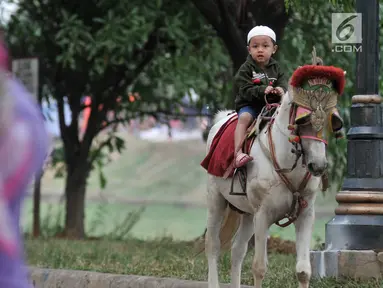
261	48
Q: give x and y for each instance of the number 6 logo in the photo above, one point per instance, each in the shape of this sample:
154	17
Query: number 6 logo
346	28
343	26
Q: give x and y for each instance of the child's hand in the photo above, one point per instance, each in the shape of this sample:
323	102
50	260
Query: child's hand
279	91
269	89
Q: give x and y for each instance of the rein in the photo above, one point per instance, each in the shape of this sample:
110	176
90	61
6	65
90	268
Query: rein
314	138
298	202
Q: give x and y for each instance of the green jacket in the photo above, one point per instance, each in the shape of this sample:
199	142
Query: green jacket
250	93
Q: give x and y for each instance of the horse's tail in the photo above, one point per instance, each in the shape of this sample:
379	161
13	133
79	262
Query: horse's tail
221	115
229	227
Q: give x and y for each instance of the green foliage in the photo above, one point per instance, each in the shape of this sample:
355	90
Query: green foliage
160	49
301	5
196	65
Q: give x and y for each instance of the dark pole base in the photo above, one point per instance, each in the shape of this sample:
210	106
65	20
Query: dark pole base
355	232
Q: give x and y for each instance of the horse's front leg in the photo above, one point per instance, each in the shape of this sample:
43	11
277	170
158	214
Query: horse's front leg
303	230
262	225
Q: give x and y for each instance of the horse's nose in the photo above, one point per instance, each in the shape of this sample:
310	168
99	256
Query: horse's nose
317	168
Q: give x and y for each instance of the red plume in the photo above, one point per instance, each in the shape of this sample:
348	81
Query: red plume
332	73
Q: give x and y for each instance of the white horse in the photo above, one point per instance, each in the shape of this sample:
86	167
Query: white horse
268	199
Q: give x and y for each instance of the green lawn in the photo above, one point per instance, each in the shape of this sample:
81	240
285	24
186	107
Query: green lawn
155	221
155	171
145	170
163	259
180	223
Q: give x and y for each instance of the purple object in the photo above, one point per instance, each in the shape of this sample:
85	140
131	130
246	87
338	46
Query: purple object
23	149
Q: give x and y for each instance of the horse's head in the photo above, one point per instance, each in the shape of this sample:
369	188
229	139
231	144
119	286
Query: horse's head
314	91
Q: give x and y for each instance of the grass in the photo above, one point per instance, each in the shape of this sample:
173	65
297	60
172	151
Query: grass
145	170
165	172
159	220
155	221
155	171
163	259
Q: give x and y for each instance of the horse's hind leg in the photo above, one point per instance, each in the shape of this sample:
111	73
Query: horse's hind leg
239	248
216	211
303	230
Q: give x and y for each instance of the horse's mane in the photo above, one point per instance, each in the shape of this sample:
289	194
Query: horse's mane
221	114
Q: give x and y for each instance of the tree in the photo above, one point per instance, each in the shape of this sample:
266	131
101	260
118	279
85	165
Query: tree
107	49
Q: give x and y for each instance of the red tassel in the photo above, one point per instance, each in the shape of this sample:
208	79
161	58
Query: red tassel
292	127
294	139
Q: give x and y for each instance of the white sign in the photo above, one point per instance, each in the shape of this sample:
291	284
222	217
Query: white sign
346	28
27	71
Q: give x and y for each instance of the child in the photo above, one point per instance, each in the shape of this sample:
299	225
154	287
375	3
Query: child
23	148
258	76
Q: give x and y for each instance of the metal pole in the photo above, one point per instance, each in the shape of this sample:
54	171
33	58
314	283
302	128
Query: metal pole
358	223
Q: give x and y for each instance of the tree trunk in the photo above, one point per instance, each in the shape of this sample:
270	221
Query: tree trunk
75	189
36	205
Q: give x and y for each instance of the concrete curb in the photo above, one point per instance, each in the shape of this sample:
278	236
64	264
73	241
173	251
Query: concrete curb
51	278
355	264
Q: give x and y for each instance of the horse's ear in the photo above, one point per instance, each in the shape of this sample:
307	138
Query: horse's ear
315	59
335	121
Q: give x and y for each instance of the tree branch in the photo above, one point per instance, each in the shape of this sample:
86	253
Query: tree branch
98	151
209	10
95	118
225	17
226	28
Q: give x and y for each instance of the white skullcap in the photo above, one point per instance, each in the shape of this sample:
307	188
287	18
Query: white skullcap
261	31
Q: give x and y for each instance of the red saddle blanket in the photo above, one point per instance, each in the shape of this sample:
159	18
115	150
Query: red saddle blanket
221	154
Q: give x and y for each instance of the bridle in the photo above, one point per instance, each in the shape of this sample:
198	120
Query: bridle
298	202
295	136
